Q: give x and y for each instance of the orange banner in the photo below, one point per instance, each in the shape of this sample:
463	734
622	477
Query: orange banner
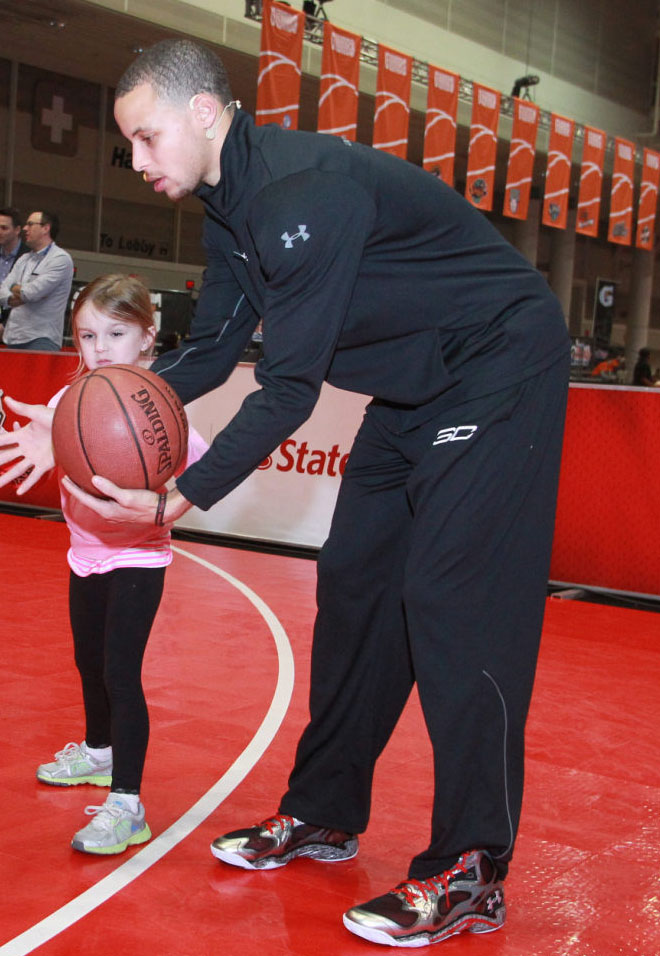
621	199
480	177
648	200
558	172
521	159
440	130
591	181
392	102
340	71
278	85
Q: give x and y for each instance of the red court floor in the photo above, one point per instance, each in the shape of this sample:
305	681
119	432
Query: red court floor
230	646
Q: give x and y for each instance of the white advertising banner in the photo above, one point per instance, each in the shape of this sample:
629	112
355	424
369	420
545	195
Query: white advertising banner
291	497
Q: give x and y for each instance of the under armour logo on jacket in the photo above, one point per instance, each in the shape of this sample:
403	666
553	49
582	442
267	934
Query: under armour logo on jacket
289	240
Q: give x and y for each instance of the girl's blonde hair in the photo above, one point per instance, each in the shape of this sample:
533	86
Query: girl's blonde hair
118	296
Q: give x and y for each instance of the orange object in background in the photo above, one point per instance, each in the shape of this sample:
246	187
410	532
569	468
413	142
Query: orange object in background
521	159
648	200
278	85
558	172
480	178
340	71
621	199
440	129
591	181
392	102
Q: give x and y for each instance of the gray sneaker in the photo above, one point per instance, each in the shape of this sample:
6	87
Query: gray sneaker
113	828
280	839
75	765
468	898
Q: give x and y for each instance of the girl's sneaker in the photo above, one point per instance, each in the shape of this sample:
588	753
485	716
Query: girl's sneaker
75	765
113	828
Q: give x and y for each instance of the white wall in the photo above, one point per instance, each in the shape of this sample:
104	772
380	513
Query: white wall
223	21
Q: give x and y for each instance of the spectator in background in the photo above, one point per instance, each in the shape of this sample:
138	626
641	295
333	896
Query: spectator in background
11	247
37	288
642	374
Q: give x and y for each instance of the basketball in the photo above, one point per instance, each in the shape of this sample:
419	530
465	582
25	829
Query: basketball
123	423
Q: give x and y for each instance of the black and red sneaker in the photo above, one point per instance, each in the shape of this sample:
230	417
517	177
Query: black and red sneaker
280	839
468	898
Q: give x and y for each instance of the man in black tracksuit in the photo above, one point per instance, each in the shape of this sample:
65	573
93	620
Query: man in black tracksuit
371	274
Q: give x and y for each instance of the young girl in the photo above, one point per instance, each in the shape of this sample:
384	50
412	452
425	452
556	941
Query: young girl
116	583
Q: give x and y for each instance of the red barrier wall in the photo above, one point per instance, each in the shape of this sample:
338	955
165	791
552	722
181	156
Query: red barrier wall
609	491
34	377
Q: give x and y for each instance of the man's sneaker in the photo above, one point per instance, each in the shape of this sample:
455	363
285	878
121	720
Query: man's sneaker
467	898
113	828
280	839
75	765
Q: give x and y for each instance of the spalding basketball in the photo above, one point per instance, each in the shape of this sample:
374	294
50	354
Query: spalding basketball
123	423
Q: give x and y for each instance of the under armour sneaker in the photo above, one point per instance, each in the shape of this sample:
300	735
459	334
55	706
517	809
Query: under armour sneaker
467	898
113	828
280	839
75	765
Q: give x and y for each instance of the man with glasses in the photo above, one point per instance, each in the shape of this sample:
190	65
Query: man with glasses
37	289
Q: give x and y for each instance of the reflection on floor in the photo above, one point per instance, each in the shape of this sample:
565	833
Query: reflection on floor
585	879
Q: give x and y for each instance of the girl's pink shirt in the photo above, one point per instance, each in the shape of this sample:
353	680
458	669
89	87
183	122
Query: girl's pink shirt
98	546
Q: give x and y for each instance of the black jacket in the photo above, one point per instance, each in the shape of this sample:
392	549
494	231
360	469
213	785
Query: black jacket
368	272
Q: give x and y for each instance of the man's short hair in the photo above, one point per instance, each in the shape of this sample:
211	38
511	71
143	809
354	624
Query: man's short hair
50	219
177	70
12	213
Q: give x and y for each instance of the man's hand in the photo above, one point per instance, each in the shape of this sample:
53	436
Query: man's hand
15	298
126	505
31	444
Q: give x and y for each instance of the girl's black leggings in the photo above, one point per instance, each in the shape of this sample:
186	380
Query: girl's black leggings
111	618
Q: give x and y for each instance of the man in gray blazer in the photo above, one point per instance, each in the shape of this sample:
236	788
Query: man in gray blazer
37	288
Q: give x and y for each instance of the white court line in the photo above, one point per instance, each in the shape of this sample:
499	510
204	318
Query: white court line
139	862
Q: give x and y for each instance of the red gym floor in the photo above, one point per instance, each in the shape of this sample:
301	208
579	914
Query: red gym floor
226	677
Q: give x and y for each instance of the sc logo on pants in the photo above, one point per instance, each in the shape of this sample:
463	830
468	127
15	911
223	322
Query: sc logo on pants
455	433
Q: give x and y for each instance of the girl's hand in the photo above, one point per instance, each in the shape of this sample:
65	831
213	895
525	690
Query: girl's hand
31	444
126	505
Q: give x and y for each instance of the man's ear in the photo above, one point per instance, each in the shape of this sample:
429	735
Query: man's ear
205	108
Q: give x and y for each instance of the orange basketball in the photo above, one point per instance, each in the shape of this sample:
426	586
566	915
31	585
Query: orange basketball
123	423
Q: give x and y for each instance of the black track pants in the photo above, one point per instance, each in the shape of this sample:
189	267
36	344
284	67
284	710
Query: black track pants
111	617
435	572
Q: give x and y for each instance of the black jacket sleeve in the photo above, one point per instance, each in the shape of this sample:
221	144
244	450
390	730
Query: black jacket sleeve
309	231
220	331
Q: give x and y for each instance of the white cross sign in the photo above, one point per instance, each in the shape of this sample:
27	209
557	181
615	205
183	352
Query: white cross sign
57	119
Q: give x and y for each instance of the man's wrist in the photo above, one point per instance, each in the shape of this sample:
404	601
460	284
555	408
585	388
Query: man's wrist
175	506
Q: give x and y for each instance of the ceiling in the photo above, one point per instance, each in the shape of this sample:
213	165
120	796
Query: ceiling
85	40
90	42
